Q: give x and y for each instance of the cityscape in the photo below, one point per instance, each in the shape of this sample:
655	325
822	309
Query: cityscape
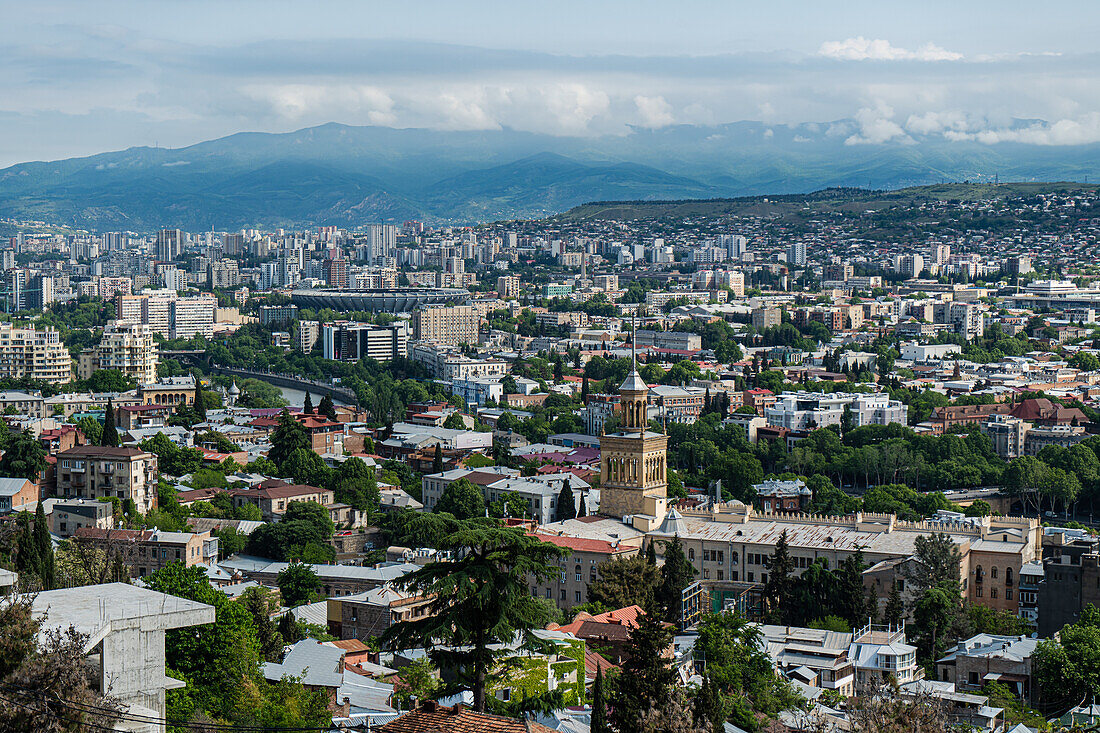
384	423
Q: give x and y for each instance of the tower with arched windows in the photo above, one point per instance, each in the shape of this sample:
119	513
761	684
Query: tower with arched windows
633	465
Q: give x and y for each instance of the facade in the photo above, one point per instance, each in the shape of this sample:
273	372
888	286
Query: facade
678	340
540	492
577	569
347	341
979	659
69	516
147	551
274	496
782	496
369	614
809	410
17	494
192	317
168	391
126	347
28	353
457	324
276	314
95	472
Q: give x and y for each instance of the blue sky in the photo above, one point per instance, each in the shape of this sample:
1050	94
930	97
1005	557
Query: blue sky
83	77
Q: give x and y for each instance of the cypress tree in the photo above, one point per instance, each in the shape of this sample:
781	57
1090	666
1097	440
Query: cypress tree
777	591
307	408
709	706
646	675
327	408
584	389
43	548
895	607
28	557
676	574
567	508
651	554
599	706
200	402
582	507
437	462
289	629
110	437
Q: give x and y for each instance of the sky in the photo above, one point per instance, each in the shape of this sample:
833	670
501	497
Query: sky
79	77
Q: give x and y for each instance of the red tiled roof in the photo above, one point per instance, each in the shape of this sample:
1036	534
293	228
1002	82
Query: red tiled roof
431	717
278	490
624	617
579	544
100	451
96	533
594	660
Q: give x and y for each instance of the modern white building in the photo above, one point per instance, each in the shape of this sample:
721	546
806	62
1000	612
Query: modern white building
810	410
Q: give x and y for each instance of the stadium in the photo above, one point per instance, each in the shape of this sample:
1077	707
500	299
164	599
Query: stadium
381	300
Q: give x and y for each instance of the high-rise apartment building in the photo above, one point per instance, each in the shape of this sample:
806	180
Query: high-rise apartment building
508	286
27	353
168	314
127	347
192	316
796	254
447	324
223	274
170	244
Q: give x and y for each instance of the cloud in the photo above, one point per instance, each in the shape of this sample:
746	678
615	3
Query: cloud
866	49
876	126
930	123
655	111
1083	130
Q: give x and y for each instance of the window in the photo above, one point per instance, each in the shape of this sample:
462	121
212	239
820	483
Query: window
750	578
577	596
978	591
1008	576
992	592
706	574
691	554
993	573
973	678
562	596
1008	594
720	575
547	594
733	558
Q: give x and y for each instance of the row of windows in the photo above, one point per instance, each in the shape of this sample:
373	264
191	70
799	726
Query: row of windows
561	594
992	592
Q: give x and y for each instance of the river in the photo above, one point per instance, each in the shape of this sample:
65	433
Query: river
297	397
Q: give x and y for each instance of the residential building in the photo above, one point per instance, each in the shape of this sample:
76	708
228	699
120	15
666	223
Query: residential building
540	492
508	286
149	550
809	410
766	317
676	340
192	317
775	495
309	332
369	614
67	516
578	568
96	471
278	314
985	658
17	494
456	324
126	347
336	580
29	353
168	391
274	496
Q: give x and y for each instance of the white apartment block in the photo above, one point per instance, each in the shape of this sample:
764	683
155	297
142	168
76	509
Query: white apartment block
34	354
811	410
450	365
193	316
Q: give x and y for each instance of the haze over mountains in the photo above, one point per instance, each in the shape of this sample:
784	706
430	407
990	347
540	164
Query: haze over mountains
343	175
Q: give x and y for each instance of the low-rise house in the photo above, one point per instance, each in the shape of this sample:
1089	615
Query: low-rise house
990	658
577	569
274	496
17	494
95	471
67	516
147	551
774	495
369	614
431	716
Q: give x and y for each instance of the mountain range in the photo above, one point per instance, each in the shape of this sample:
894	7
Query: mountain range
348	176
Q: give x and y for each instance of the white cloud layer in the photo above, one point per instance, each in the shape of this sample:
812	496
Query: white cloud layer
867	49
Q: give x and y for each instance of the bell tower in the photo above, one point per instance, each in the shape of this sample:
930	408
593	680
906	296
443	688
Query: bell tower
633	465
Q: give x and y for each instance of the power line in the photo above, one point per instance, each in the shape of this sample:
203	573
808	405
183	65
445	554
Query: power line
136	718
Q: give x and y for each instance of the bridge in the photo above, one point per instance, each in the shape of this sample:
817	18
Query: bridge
291	381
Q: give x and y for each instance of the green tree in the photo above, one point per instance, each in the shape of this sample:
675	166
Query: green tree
109	436
598	722
676	575
260	603
566	507
895	607
462	499
624	581
454	421
437	461
327	408
289	436
43	549
298	584
305	467
91	428
935	613
23	457
777	590
936	560
647	676
307	407
481	600
419	683
853	599
199	406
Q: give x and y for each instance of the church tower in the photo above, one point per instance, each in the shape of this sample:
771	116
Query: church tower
633	480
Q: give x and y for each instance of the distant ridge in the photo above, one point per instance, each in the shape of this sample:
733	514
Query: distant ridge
349	176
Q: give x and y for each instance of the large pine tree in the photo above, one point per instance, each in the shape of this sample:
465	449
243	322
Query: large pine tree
327	408
307	407
894	613
676	575
777	591
110	437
